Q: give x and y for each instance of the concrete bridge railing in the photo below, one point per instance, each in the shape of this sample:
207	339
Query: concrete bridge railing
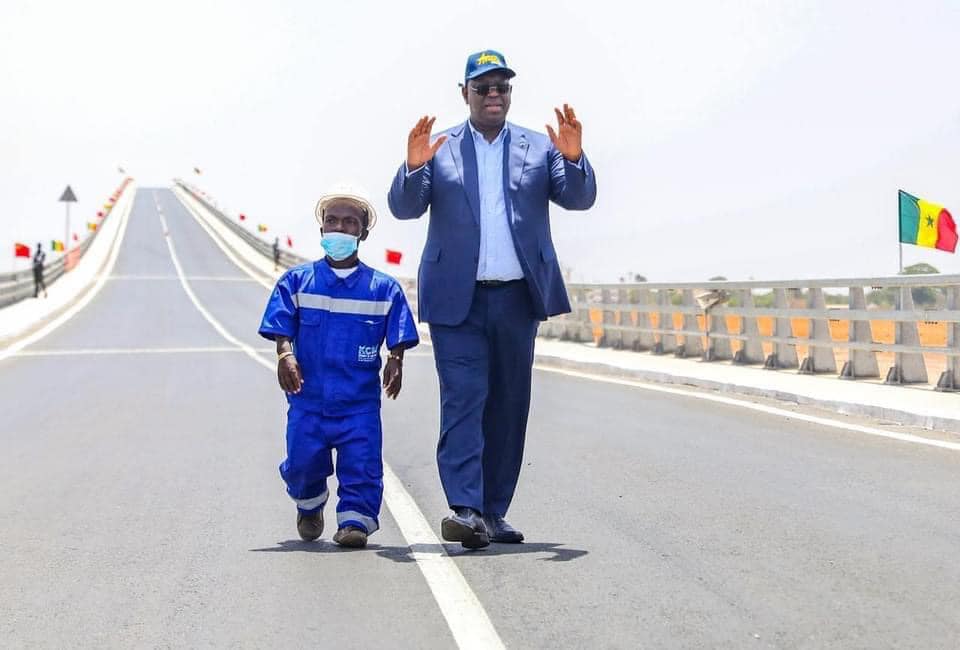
265	248
18	285
783	324
814	326
287	259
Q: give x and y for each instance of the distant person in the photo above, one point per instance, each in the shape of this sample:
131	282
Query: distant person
329	319
39	259
488	274
276	254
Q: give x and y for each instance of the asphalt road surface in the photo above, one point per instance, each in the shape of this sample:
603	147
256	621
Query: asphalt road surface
140	504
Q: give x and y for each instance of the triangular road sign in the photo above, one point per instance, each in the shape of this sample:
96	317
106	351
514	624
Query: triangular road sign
68	195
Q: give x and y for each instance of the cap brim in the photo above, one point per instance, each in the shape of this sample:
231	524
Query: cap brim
327	199
494	68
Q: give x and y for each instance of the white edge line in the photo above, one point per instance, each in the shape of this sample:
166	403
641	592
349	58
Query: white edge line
243	266
771	410
79	352
730	401
464	613
91	291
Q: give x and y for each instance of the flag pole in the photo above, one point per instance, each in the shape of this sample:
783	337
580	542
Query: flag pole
900	230
66	230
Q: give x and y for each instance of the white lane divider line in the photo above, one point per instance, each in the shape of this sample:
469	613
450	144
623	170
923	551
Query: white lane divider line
249	350
191	278
243	266
762	408
124	216
81	352
465	615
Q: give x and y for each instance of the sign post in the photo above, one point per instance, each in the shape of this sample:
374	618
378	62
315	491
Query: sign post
67	197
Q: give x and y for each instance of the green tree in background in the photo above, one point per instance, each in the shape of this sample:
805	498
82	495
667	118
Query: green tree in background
923	297
927	297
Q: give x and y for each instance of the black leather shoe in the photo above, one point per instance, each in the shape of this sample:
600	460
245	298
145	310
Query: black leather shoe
465	526
500	531
310	527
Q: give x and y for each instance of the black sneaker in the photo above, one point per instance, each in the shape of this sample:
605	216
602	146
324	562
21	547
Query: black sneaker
310	527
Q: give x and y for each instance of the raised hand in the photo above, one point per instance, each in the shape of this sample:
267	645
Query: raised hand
420	150
568	137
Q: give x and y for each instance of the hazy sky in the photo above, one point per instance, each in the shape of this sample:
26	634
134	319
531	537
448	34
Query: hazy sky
749	139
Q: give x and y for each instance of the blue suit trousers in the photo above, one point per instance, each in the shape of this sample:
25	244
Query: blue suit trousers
485	365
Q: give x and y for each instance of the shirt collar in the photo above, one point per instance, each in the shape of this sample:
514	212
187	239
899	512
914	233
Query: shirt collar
331	278
478	137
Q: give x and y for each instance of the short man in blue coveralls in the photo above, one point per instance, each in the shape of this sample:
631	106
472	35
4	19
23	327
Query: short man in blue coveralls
329	319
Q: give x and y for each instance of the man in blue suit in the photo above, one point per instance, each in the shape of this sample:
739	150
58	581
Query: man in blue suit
488	275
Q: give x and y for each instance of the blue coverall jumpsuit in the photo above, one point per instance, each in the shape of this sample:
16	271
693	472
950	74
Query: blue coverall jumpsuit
337	326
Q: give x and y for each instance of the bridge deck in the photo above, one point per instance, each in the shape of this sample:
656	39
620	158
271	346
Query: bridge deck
141	504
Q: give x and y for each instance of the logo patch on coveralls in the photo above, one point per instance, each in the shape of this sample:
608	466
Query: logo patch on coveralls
367	353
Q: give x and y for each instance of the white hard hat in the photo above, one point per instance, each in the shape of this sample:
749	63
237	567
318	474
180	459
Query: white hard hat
350	192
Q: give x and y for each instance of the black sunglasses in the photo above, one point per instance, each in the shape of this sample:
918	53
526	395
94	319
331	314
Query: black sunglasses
484	89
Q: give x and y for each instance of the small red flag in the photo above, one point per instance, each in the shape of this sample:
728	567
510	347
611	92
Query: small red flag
393	257
243	217
289	242
75	238
21	250
100	215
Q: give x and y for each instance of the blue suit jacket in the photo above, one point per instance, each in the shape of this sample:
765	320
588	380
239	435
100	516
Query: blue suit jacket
534	173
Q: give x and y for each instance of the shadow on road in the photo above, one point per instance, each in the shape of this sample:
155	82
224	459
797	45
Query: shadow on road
555	551
321	546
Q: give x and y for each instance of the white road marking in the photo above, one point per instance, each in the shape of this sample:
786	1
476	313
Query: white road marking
467	619
770	410
465	615
731	401
192	278
243	266
80	352
249	350
72	311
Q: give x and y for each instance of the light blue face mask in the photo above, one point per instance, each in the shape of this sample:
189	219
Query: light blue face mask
339	246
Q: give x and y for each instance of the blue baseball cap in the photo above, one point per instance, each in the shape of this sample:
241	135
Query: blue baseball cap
486	61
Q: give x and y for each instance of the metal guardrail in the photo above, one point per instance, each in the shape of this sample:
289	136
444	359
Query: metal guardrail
287	259
641	317
18	285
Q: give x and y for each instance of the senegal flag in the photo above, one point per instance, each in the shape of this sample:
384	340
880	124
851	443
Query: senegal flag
56	245
926	224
